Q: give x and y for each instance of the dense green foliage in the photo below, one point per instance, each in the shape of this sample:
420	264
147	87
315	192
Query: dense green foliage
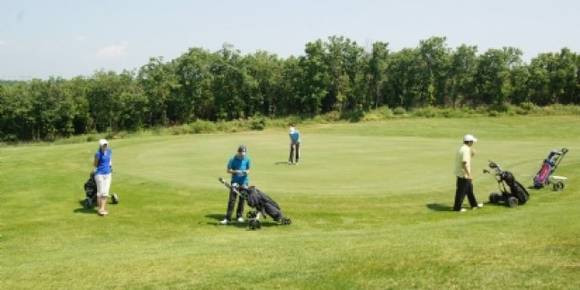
333	75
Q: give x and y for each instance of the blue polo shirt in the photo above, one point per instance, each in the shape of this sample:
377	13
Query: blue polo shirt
237	163
104	164
295	137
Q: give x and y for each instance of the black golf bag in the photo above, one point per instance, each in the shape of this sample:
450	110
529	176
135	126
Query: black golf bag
91	193
512	193
262	204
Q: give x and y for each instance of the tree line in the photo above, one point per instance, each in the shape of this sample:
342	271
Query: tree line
335	74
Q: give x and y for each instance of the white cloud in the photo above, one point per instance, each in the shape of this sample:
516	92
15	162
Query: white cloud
80	38
113	51
2	43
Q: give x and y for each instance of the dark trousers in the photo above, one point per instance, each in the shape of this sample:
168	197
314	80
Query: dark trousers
464	187
232	203
294	152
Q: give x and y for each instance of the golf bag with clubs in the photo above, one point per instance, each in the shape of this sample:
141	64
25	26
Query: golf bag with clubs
91	193
512	193
544	176
260	202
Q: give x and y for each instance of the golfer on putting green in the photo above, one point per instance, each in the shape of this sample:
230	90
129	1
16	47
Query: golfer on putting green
238	167
294	135
464	185
103	169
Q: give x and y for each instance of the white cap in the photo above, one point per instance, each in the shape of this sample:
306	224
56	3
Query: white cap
469	138
103	142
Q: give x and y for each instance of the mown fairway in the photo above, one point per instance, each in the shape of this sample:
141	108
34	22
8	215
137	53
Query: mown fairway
370	204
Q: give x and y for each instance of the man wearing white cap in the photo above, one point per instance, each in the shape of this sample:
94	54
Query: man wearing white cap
103	169
464	174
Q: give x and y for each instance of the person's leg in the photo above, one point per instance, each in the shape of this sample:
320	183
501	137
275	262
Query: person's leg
291	157
459	194
469	192
297	152
231	204
240	210
106	187
100	188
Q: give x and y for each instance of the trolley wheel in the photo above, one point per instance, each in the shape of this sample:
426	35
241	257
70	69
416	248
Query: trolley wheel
512	202
251	214
285	221
494	197
88	203
558	186
254	224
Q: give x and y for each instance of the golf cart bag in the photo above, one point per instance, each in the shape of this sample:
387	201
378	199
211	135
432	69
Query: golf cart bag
544	176
91	193
512	193
261	203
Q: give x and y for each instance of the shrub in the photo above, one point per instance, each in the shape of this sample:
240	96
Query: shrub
426	112
399	111
378	114
352	116
201	126
258	123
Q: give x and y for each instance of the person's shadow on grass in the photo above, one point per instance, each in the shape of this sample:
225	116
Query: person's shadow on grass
281	163
439	207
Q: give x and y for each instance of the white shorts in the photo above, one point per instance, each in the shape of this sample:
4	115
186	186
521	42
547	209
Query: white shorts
103	184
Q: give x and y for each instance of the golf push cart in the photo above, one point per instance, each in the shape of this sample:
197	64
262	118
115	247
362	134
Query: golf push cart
262	204
512	193
90	200
544	176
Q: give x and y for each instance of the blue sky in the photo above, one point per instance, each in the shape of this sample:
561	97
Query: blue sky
39	39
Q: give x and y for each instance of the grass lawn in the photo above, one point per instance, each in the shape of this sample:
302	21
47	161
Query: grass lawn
370	204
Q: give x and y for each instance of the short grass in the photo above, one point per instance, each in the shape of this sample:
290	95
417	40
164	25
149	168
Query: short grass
370	204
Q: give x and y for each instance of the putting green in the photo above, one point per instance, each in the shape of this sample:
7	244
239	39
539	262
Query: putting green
370	204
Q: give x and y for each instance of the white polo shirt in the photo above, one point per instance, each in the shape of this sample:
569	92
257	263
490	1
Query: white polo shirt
463	155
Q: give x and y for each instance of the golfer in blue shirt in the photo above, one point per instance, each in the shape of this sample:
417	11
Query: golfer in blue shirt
103	169
295	140
239	168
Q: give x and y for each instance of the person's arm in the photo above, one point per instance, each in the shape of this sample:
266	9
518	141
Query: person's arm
96	162
466	170
232	171
229	167
247	171
465	158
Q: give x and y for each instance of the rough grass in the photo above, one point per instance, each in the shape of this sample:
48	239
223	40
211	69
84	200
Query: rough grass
370	204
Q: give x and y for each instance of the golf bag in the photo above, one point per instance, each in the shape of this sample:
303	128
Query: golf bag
548	168
262	204
91	193
512	193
